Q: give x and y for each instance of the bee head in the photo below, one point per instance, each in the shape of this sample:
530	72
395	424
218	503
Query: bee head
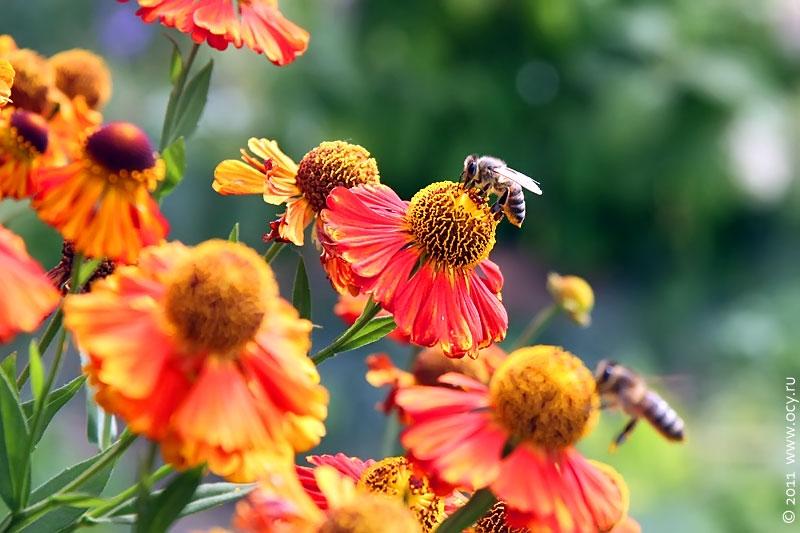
470	169
605	369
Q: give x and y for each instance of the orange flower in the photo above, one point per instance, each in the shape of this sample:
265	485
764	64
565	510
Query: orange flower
425	261
257	24
24	143
496	520
84	74
281	505
194	348
540	401
6	81
34	82
302	188
428	366
101	202
27	295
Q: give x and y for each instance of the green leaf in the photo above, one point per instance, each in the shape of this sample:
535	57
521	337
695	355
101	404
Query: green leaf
301	294
37	371
55	401
62	517
175	63
193	101
86	270
9	368
162	510
373	331
13	445
174	157
207	496
94	418
467	515
233	236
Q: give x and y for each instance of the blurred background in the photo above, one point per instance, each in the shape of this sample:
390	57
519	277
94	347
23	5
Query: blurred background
663	133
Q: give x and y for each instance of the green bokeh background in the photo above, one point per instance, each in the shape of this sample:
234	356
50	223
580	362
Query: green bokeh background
664	134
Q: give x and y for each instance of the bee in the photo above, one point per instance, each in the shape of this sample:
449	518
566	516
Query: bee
492	176
624	389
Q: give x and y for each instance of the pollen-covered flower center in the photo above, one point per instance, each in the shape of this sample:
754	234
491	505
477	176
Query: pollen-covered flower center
333	164
120	152
218	296
544	395
495	521
31	132
454	227
82	73
370	513
32	83
393	476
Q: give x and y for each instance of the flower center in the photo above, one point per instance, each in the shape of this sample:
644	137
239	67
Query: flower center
122	153
544	395
31	132
453	226
494	521
370	513
331	164
218	296
34	77
394	477
82	73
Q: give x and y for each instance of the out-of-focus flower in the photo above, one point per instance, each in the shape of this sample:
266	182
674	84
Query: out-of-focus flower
574	295
194	348
101	202
350	307
281	505
496	521
33	83
541	401
7	45
26	295
6	81
81	73
24	143
427	368
425	261
257	24
303	188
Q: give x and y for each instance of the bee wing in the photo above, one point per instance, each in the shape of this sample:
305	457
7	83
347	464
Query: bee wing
520	178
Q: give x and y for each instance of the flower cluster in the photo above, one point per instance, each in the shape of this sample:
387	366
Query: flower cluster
194	349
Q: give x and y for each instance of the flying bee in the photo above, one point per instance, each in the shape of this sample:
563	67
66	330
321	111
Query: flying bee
492	176
624	389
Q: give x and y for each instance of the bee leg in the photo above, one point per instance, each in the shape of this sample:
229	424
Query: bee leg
497	208
623	434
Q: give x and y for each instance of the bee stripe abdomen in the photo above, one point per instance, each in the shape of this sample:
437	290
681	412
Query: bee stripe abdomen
663	417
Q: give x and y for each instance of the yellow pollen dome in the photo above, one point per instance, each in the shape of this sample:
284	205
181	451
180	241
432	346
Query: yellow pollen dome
331	164
32	83
218	296
453	226
393	476
82	73
494	521
544	395
371	513
574	295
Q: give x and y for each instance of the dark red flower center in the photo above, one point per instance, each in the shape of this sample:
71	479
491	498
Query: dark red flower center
32	128
121	146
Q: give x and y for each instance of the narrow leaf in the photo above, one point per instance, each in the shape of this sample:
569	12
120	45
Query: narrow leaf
94	418
207	496
87	269
9	368
13	444
54	402
37	371
233	236
174	157
165	508
467	515
373	331
301	295
192	102
175	64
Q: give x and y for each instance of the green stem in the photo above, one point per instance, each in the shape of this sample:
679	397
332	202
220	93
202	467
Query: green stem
536	326
370	310
476	507
174	98
113	503
44	343
30	514
273	251
145	483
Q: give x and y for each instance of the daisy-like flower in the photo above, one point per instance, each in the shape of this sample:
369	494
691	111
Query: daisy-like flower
257	24
34	82
101	202
27	295
539	402
427	368
83	74
425	261
6	81
24	143
282	505
194	348
303	188
496	521
574	295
